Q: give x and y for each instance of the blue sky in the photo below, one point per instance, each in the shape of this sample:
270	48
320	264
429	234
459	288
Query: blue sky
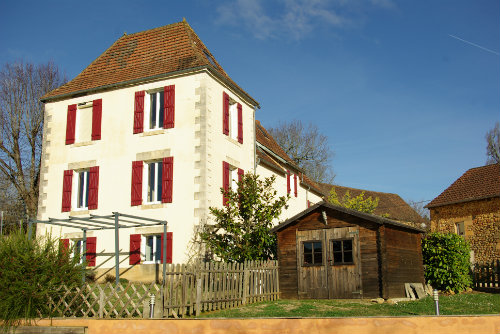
405	90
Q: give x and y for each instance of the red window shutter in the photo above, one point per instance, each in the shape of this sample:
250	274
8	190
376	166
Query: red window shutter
240	174
135	249
64	244
225	113
66	195
139	112
288	189
169	106
93	187
91	251
225	180
240	124
167	180
295	184
169	247
136	183
70	124
96	119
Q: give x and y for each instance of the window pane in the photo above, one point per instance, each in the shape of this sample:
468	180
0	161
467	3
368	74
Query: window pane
348	256
307	247
337	246
337	257
152	111
86	189
161	102
318	257
151	182
308	259
318	247
347	245
149	248
159	169
158	248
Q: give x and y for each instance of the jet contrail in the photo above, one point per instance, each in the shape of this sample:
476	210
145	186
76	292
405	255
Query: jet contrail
478	46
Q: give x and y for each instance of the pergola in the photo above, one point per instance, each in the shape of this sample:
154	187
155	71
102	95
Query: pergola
114	221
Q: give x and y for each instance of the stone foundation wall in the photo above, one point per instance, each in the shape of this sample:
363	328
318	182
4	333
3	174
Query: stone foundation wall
482	225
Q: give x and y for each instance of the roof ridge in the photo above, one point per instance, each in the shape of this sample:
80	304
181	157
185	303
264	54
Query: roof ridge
365	190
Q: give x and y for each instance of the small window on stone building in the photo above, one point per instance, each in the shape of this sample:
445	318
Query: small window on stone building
460	228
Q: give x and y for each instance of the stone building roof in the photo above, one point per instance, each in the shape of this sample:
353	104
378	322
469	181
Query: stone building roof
475	184
390	205
148	55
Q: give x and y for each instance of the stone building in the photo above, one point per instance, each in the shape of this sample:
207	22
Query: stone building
471	207
154	127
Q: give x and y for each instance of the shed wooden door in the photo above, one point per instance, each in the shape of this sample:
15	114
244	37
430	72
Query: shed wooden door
311	271
328	263
344	265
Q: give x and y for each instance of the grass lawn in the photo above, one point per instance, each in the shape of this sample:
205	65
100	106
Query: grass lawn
461	304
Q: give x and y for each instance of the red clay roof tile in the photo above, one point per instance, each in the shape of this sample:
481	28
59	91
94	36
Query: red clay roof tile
150	54
476	183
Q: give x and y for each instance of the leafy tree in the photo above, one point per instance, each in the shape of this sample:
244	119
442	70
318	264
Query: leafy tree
30	272
493	145
307	147
242	229
447	261
21	125
358	203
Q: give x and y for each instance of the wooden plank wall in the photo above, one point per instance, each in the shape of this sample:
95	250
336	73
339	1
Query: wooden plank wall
404	260
287	251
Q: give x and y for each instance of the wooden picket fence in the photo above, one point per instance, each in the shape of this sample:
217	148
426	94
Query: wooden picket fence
188	290
486	276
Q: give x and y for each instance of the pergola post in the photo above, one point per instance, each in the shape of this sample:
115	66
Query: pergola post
117	249
30	228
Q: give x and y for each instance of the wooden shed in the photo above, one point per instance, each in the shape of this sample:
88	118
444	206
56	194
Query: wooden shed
328	251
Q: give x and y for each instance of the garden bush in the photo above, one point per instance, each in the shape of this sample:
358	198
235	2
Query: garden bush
30	272
447	261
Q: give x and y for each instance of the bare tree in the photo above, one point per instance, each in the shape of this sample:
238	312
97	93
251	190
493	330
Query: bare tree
21	125
307	147
493	146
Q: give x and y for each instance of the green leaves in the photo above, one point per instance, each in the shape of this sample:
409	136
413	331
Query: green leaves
242	229
358	203
447	261
30	270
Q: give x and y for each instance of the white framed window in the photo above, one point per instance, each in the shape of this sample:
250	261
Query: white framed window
77	245
233	174
153	176
151	248
460	228
233	120
154	110
82	189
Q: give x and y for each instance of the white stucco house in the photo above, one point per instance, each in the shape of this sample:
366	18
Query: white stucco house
153	127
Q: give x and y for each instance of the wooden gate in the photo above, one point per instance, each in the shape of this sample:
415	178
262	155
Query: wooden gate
328	263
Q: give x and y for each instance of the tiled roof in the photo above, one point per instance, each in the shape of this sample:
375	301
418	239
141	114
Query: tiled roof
476	183
265	139
148	55
389	204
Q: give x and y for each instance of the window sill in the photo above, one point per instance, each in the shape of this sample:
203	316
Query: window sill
83	143
155	132
79	212
234	141
153	206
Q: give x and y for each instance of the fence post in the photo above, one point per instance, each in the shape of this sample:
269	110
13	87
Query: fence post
246	273
101	302
198	296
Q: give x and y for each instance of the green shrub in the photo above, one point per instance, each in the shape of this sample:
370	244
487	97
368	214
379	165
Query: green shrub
447	261
30	272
